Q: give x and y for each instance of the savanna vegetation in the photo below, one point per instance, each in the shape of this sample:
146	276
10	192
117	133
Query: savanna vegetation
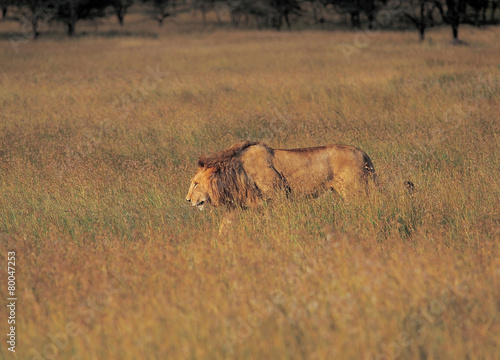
99	137
32	15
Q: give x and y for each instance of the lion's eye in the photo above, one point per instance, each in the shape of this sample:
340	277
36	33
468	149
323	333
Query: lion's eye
195	185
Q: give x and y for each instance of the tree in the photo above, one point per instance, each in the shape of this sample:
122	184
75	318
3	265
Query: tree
32	12
453	13
479	8
266	12
237	8
283	9
317	7
121	8
357	7
160	10
69	12
419	12
204	6
4	4
260	10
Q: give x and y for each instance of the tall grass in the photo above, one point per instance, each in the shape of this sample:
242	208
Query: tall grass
96	158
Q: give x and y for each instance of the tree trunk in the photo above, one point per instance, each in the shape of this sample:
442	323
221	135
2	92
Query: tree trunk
315	13
71	22
454	28
278	21
34	27
120	16
421	27
235	19
494	6
71	28
287	19
355	20
371	17
421	31
430	17
219	17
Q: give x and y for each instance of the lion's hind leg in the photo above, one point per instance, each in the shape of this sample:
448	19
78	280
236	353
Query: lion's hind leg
350	184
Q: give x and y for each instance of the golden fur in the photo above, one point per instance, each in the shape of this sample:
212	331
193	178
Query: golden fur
248	173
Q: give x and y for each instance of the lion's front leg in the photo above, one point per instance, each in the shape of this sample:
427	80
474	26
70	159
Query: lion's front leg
257	162
228	221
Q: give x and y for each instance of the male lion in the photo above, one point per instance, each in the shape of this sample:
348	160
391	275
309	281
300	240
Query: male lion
248	173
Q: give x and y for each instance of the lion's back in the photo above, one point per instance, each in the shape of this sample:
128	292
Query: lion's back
312	170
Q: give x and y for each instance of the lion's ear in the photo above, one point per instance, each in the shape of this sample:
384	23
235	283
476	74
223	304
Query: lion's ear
203	162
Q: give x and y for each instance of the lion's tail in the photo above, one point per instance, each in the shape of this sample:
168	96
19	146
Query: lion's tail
410	186
370	169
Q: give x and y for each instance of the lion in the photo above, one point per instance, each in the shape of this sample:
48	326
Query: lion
249	173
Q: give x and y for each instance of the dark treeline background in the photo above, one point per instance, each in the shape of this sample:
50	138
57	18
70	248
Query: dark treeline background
261	14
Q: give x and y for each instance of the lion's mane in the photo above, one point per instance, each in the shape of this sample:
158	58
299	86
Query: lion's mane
228	182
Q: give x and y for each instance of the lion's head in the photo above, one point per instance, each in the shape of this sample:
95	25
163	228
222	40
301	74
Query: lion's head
222	180
203	188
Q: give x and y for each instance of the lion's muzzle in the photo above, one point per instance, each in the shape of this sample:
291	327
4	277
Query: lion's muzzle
200	205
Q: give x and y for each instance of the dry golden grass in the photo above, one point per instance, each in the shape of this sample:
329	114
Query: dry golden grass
112	264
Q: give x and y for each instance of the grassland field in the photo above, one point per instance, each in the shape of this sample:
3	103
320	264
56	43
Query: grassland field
99	137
